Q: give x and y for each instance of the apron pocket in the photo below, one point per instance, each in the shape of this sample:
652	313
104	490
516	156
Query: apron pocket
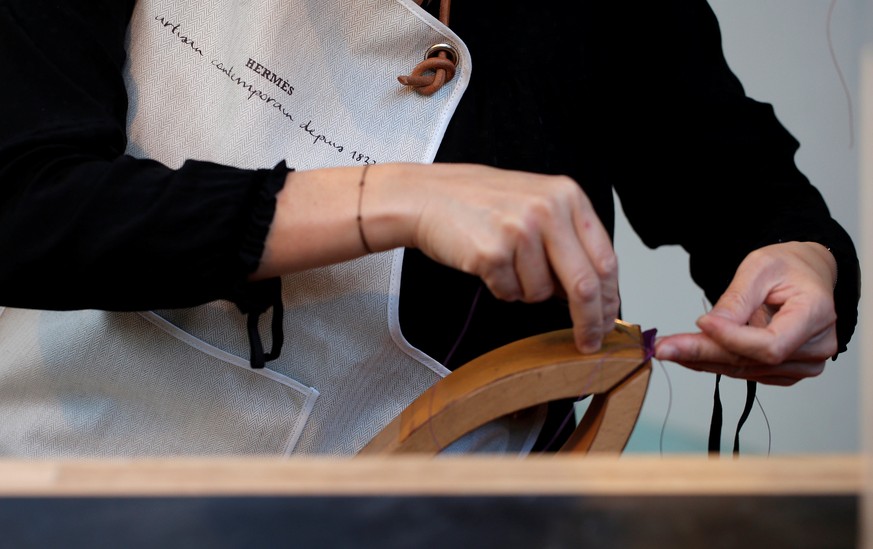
94	383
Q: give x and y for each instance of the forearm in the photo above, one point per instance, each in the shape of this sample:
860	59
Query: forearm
316	221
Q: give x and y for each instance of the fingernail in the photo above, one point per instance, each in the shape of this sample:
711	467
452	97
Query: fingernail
703	319
666	351
719	312
590	346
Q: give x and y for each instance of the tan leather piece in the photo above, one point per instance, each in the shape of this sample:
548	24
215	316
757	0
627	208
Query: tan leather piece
432	74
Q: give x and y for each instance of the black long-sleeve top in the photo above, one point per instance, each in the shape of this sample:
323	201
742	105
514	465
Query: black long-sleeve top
631	96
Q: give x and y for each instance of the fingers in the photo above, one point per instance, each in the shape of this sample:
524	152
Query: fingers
517	268
790	334
535	275
584	262
785	374
527	236
775	323
786	289
599	249
583	290
521	272
701	353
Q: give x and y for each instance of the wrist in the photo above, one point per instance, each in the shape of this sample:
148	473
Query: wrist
389	205
825	253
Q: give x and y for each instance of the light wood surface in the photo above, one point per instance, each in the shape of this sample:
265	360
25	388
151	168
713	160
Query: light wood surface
462	475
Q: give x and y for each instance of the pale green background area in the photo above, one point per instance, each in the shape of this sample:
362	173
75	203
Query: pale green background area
779	49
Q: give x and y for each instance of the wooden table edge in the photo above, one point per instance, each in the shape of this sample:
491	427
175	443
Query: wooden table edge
441	476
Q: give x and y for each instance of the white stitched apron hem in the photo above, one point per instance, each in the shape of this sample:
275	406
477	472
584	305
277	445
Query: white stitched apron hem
224	356
305	411
394	319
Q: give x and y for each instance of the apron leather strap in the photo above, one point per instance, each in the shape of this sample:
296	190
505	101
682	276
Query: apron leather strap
439	62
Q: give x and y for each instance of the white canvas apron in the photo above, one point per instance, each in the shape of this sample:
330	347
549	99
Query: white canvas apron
249	83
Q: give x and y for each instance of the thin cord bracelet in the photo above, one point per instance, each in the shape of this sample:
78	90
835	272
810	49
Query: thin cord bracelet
360	201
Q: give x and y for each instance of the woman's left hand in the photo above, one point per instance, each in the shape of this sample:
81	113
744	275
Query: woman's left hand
774	324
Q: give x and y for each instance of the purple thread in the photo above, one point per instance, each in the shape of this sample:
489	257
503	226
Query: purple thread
554	438
466	325
461	335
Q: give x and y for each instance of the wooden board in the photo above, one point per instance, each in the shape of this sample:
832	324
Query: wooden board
462	475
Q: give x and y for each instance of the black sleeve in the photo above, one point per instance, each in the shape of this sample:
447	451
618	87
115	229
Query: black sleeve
82	225
712	170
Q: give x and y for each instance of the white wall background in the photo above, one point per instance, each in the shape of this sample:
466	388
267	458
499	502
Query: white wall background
866	344
781	52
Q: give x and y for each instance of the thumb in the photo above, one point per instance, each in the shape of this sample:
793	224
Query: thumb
743	297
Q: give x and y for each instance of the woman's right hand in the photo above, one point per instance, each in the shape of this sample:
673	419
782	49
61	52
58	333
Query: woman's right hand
527	236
